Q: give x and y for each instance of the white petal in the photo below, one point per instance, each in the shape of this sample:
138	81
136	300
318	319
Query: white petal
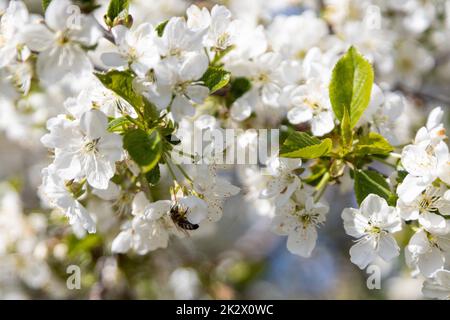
322	123
37	37
430	262
98	171
113	59
372	204
299	114
387	247
435	118
194	67
411	188
302	241
419	244
122	243
110	193
59	14
181	107
355	223
363	252
156	210
139	205
197	93
94	124
432	221
240	110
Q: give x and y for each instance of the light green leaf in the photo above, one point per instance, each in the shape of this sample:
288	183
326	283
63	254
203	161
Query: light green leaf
215	78
115	10
302	145
351	85
373	143
121	82
116	123
311	152
370	181
144	148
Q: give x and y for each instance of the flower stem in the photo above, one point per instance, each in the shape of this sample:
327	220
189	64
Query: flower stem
322	186
185	174
172	173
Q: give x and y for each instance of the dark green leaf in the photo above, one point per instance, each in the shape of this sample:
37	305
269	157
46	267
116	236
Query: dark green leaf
351	85
370	181
153	175
144	148
160	28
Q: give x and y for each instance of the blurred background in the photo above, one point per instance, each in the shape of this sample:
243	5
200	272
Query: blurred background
239	257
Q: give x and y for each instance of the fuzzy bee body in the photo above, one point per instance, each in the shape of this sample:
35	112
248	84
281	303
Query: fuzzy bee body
178	216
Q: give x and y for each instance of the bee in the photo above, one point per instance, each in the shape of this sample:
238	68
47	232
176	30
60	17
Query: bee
178	216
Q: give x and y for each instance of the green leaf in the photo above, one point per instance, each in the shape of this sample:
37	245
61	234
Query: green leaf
160	28
351	85
153	175
373	143
215	78
238	87
346	130
144	148
297	140
45	4
115	9
370	181
311	152
302	145
117	123
121	82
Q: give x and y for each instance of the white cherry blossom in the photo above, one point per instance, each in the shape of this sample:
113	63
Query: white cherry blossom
299	220
438	287
427	252
136	49
372	224
60	41
84	148
148	230
56	192
283	182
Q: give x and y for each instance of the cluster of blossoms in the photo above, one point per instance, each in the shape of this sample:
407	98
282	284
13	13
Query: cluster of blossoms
128	94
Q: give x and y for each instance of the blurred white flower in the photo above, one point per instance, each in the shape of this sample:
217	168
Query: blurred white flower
299	219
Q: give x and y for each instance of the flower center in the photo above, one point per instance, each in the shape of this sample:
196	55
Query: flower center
222	40
62	38
91	146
